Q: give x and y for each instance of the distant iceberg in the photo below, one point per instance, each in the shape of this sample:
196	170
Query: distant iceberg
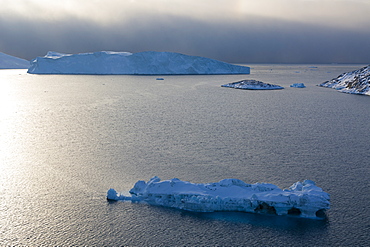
142	63
355	82
301	199
11	62
298	85
252	85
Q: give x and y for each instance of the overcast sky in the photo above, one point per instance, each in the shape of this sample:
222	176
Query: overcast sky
239	31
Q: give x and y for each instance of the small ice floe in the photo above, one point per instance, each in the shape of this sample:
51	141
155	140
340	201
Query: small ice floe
252	85
298	85
302	199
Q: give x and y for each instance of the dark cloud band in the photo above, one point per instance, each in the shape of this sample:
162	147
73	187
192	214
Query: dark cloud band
249	40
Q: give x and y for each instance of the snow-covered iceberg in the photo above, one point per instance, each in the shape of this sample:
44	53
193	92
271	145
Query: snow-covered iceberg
252	85
298	85
354	82
142	63
302	199
11	62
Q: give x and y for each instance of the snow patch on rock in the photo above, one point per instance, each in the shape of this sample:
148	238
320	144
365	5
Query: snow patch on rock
252	85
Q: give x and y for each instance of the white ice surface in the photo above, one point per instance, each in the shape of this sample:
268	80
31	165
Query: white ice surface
142	63
252	85
11	62
229	195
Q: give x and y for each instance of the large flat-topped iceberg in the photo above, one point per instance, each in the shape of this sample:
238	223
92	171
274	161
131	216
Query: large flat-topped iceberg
354	82
11	62
142	63
303	199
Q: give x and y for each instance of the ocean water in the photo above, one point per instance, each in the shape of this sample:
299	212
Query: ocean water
67	139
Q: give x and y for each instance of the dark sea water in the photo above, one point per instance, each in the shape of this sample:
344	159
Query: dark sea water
66	139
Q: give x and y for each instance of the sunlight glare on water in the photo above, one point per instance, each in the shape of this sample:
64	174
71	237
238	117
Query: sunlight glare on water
67	139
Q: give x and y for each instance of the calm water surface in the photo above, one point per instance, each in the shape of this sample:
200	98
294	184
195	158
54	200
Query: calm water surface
65	140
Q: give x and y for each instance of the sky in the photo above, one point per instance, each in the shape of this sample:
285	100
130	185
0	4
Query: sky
236	31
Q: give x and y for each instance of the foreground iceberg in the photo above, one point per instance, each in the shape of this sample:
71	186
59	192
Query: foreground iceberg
142	63
252	85
298	85
303	199
355	82
11	62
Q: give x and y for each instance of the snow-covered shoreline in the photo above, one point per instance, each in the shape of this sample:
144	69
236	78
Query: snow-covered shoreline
354	82
303	199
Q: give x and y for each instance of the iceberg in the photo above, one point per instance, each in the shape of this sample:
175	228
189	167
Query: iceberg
298	85
142	63
252	85
11	62
354	82
303	199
